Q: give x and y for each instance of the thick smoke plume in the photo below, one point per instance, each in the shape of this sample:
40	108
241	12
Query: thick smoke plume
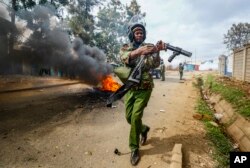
49	46
6	29
3	12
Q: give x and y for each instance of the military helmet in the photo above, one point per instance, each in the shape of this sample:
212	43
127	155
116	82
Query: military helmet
135	22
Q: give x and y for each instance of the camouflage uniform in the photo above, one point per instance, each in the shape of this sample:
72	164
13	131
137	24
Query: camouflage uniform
137	98
162	67
181	68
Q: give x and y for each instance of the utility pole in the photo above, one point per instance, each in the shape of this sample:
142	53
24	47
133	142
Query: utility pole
195	56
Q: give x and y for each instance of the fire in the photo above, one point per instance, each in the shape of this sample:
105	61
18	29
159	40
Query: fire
109	84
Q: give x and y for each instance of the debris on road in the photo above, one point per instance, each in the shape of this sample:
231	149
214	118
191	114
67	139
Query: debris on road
117	152
218	116
214	124
202	117
88	153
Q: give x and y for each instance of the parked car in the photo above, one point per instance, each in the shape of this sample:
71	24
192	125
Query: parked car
156	73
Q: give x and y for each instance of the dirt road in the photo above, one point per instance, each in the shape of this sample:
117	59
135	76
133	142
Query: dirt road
70	127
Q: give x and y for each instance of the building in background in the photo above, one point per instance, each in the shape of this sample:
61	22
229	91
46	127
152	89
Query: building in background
209	65
241	63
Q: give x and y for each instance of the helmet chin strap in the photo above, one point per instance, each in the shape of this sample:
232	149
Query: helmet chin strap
137	44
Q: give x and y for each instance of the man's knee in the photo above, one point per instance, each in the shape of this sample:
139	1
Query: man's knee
136	119
128	119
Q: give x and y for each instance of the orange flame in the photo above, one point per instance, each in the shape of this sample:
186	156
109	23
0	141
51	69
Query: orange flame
109	84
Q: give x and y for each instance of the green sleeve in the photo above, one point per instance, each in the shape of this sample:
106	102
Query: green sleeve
124	55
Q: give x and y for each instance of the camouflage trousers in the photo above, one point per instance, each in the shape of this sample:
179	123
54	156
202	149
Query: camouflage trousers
163	75
135	102
181	75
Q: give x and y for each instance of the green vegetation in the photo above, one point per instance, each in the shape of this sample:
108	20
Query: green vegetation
98	23
237	35
221	143
233	95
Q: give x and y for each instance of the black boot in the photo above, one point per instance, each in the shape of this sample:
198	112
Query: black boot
144	136
135	157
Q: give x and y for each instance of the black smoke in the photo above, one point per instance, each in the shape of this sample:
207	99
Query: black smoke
48	45
7	30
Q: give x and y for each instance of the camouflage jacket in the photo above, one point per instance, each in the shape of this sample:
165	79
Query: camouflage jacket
162	68
151	61
181	68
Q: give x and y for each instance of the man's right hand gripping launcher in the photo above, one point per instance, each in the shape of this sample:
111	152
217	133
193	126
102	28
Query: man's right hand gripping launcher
135	76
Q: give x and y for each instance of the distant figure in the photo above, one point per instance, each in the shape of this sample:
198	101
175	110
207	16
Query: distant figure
162	68
181	68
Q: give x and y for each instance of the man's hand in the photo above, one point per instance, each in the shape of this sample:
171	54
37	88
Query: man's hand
144	50
147	49
161	45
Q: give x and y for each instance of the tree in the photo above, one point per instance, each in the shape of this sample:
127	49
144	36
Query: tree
112	26
237	35
55	3
81	21
29	4
134	9
17	5
111	30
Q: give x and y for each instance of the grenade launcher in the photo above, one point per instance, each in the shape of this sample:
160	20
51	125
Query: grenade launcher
135	76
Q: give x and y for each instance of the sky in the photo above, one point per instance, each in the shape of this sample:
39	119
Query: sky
197	26
194	25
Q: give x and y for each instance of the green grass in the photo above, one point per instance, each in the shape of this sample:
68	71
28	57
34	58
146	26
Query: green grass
220	141
233	95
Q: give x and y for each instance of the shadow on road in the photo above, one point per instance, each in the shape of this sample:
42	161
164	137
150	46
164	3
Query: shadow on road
37	113
165	146
172	80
